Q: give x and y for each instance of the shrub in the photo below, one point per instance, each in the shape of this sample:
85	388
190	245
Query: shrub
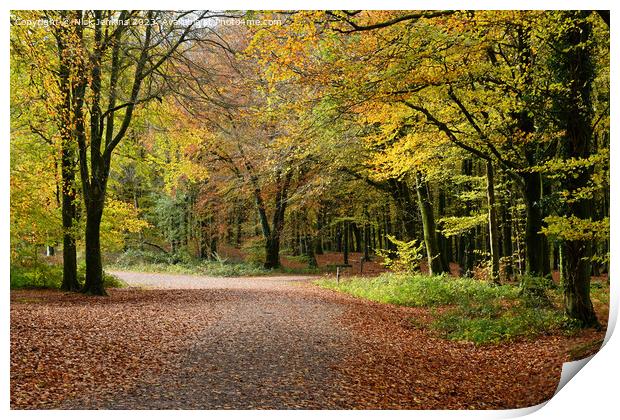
254	250
183	263
134	256
40	276
303	259
229	269
408	255
534	291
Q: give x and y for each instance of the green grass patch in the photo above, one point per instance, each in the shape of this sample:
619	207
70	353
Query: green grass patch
299	270
472	310
599	292
183	263
46	276
301	259
487	324
419	290
211	268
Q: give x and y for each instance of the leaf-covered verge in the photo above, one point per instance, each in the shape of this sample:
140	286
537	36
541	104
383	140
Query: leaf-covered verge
403	361
69	346
471	310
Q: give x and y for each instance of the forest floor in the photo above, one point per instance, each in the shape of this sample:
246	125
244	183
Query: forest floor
189	342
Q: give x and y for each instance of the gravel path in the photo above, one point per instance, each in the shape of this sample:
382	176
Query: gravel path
274	347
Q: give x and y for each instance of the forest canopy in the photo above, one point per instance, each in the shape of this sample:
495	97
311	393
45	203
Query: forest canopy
465	143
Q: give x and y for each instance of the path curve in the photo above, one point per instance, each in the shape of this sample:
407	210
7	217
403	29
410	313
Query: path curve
274	347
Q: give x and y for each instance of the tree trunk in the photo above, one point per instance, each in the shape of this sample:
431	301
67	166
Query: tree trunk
355	230
469	245
318	242
428	225
272	243
389	245
575	70
213	247
203	243
493	230
405	208
239	228
68	164
295	238
533	238
310	247
445	244
546	248
338	238
466	239
272	252
346	243
366	242
575	274
94	269
507	242
69	212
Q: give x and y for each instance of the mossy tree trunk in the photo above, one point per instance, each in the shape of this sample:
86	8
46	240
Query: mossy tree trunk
435	265
574	109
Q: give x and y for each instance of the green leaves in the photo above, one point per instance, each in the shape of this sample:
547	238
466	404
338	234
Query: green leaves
453	226
572	228
407	257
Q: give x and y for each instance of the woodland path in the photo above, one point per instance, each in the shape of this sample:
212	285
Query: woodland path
271	347
188	342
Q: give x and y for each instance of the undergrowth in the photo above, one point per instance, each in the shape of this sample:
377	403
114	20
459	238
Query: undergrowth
48	276
183	263
206	268
471	310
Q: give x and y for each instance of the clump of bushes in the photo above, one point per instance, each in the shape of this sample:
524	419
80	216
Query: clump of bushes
492	324
254	250
184	263
41	276
136	256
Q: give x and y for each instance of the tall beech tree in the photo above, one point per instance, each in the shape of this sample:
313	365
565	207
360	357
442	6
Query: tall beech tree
53	66
109	62
573	67
67	35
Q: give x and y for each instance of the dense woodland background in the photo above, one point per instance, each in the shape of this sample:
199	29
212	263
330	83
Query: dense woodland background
470	143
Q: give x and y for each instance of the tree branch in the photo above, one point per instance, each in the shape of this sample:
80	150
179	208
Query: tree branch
413	16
